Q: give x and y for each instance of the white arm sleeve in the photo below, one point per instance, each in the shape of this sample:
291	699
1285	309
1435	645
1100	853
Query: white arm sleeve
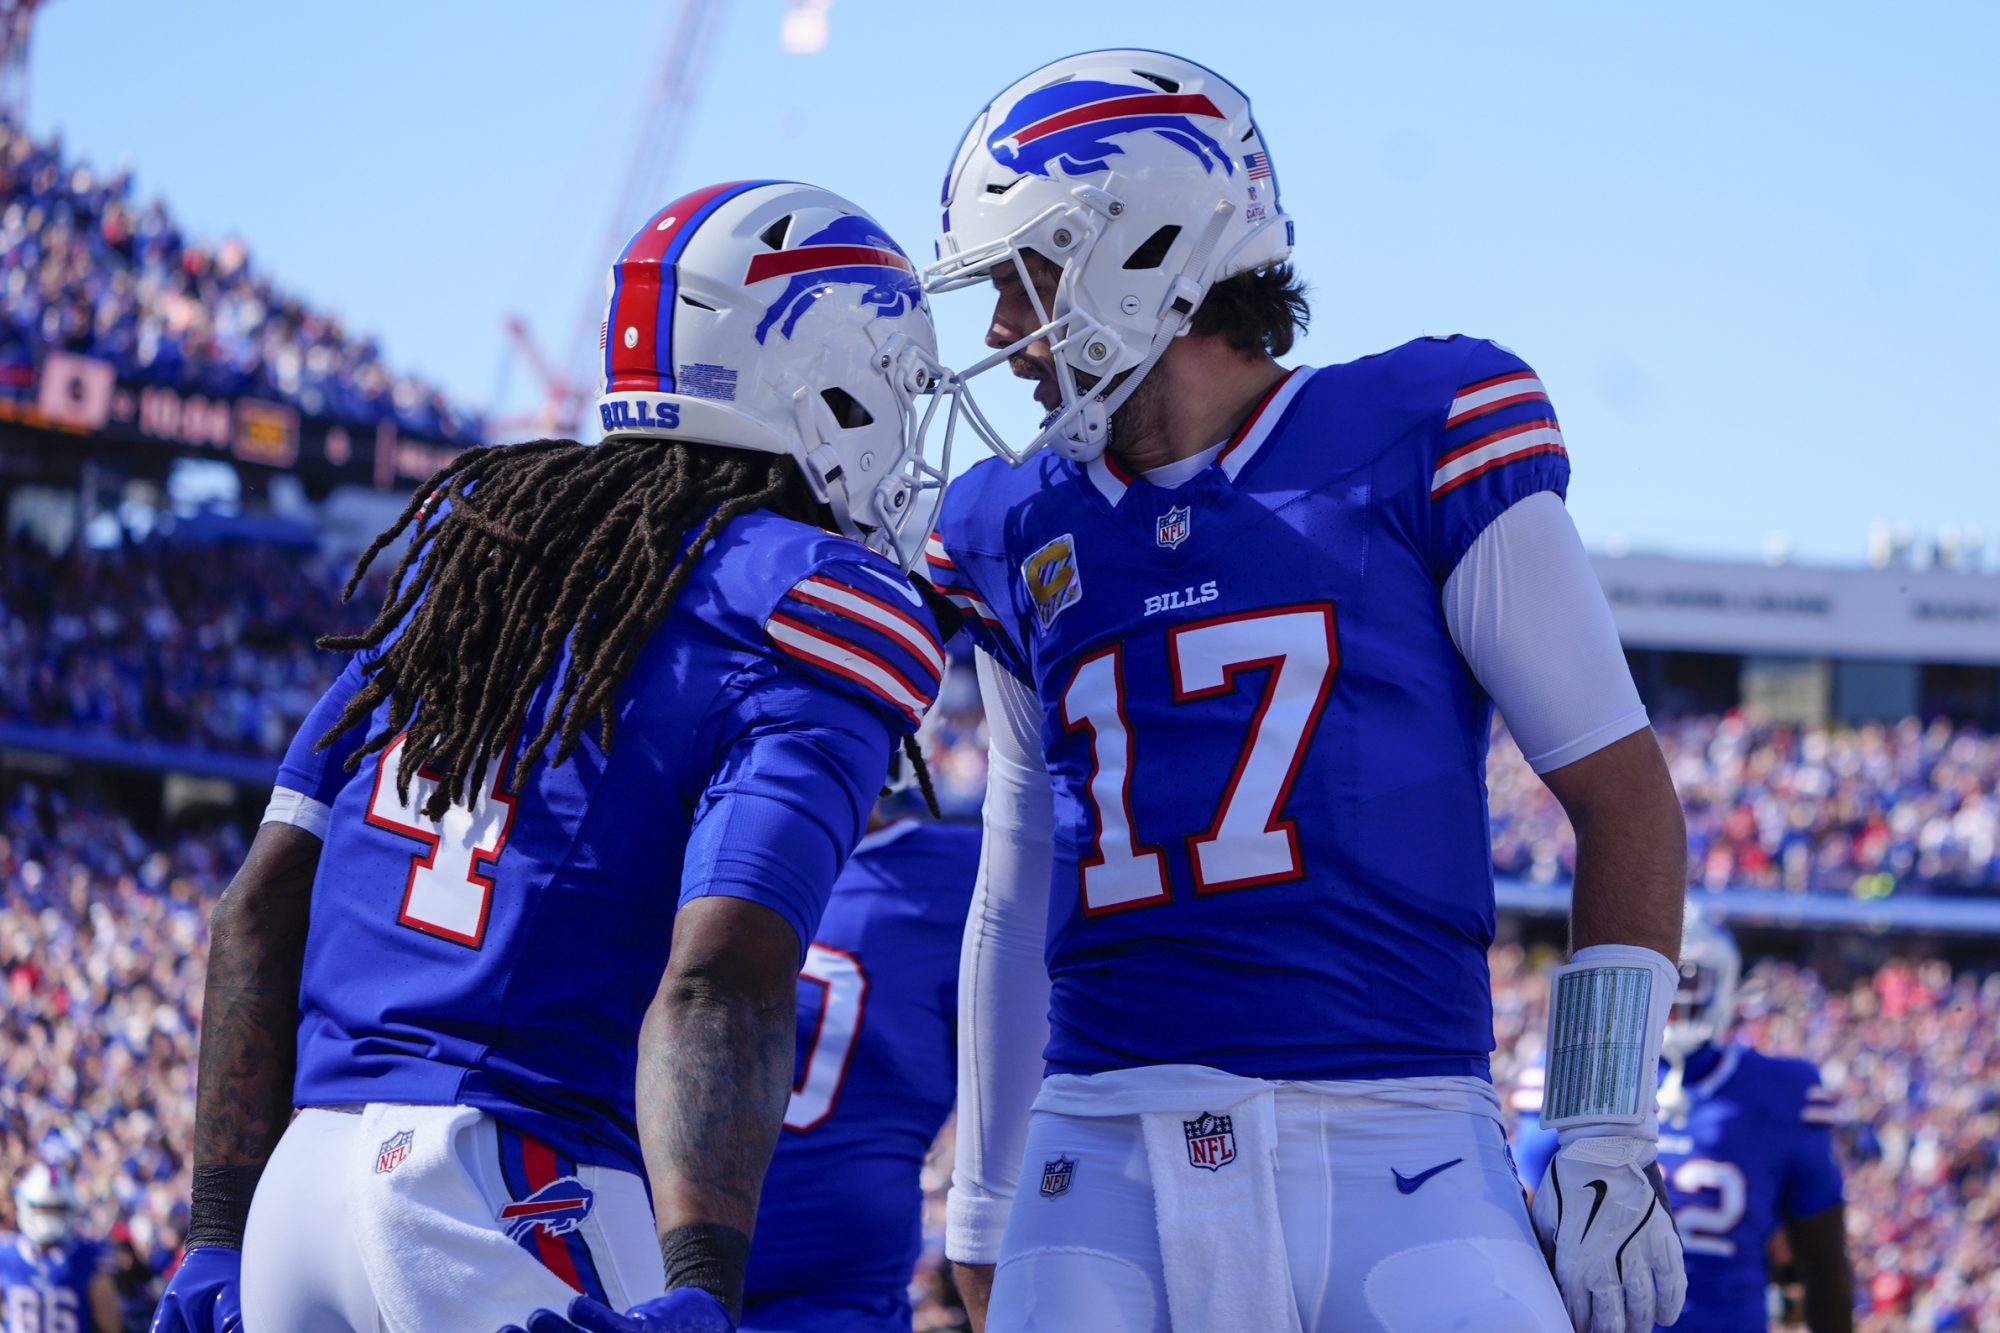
1003	983
1526	611
297	809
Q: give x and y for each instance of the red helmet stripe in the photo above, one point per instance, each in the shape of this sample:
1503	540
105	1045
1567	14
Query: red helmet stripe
1115	108
639	279
784	263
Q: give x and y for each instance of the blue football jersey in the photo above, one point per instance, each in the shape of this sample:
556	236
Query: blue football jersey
45	1289
841	1222
1265	748
1754	1152
503	957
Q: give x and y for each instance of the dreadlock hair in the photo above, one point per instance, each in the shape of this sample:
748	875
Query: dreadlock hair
560	543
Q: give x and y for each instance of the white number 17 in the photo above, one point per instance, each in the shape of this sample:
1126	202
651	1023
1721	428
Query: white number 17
1249	842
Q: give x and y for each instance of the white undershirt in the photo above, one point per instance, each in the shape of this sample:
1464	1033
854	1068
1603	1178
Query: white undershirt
1527	614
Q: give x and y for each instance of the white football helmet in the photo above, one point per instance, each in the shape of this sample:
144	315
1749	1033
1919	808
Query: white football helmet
1143	176
1705	1005
44	1205
779	317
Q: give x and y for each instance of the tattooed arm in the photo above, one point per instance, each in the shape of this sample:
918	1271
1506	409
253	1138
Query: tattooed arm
250	1011
715	1071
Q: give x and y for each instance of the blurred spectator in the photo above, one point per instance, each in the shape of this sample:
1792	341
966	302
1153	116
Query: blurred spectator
86	268
1865	811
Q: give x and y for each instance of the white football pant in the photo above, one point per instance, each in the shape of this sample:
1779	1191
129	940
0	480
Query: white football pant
389	1218
1402	1218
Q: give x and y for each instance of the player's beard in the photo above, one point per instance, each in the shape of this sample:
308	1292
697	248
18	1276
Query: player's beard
1141	415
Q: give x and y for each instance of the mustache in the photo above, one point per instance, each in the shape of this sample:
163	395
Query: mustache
1026	368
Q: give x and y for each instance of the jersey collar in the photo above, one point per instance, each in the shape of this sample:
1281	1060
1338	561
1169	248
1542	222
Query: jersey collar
1113	479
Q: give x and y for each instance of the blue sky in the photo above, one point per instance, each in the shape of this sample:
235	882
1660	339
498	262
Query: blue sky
1751	249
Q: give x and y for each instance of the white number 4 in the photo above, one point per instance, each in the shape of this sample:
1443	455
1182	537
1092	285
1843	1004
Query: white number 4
1249	842
449	893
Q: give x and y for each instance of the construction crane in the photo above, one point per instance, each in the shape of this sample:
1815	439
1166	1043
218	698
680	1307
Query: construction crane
17	24
569	379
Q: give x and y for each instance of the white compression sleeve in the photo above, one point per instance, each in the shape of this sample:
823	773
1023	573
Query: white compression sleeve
1003	983
297	809
1526	611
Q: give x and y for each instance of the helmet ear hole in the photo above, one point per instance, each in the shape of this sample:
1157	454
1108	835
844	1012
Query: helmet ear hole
847	410
1152	252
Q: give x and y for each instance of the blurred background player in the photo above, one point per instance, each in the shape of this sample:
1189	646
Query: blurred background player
841	1225
52	1279
1244	628
1746	1144
617	693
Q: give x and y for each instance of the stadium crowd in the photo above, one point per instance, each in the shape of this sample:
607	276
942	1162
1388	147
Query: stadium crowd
210	646
87	268
103	932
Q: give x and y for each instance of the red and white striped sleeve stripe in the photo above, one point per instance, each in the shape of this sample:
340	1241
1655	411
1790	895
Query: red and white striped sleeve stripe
1822	1107
1507	444
899	625
851	662
947	579
1509	390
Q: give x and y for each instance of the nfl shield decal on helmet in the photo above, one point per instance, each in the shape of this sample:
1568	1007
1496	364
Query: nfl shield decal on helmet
1053	579
1056	1176
394	1149
1211	1141
556	1209
1174	526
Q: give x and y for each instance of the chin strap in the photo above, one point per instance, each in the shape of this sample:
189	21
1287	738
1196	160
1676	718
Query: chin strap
1086	425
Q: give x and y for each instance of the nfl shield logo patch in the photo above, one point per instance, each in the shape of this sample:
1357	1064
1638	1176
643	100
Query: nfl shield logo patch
392	1152
1174	526
1053	579
1056	1176
1211	1141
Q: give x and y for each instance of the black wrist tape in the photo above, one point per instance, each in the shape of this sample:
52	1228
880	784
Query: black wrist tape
709	1256
219	1205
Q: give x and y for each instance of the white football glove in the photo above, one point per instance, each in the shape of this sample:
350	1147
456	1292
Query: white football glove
1603	1218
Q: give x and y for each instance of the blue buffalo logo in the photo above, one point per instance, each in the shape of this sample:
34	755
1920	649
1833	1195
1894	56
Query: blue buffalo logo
849	251
1069	127
556	1209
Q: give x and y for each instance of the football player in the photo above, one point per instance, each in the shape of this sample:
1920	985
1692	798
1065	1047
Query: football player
842	1219
51	1278
1746	1144
616	693
1243	627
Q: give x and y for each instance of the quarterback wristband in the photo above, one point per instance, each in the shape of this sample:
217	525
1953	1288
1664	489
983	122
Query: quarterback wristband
1608	1010
709	1256
219	1205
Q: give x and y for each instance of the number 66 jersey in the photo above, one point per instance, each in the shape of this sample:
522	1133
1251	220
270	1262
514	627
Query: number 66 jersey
1262	740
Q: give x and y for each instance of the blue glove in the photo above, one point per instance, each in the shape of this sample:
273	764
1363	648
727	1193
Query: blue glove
682	1310
205	1295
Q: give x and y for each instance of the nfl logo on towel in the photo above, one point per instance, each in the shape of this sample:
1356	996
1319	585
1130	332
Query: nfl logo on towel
1211	1141
1056	1174
1174	526
392	1152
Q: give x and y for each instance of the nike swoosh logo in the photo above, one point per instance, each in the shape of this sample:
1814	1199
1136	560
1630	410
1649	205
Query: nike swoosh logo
897	586
1600	1188
1409	1184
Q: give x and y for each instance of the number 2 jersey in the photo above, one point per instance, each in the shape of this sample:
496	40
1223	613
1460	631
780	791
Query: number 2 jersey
1753	1152
502	958
840	1226
1263	743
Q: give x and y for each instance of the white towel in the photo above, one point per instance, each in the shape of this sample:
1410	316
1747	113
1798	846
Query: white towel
1215	1192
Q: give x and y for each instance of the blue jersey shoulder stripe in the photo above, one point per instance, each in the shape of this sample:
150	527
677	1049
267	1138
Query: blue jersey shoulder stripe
825	644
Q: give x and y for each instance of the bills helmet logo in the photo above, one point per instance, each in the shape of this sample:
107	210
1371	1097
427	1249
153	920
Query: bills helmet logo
394	1150
1174	527
1068	127
556	1209
849	251
1211	1141
1054	581
1056	1176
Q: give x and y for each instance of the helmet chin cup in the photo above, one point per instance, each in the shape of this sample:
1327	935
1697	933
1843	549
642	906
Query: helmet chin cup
1087	434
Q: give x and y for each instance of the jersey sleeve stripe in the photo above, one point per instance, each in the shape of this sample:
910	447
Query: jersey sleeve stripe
855	604
1507	392
1512	447
1494	381
970	602
935	552
1501	435
852	663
